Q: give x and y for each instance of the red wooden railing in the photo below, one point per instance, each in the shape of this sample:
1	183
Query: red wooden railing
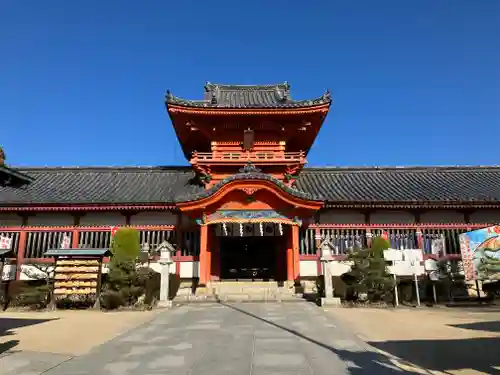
31	242
401	236
256	157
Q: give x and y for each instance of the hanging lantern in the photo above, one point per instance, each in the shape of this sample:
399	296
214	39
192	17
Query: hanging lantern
280	227
224	229
241	230
261	227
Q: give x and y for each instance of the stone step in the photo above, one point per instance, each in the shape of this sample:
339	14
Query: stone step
243	291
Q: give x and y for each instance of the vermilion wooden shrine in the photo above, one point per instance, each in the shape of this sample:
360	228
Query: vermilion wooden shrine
272	145
247	206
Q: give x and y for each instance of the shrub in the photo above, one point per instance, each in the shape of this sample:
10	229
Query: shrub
126	244
125	285
32	295
368	276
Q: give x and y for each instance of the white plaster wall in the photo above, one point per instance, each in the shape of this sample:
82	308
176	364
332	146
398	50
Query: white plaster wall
103	218
490	216
391	217
338	268
189	270
10	219
156	266
51	219
308	268
338	216
441	217
154	218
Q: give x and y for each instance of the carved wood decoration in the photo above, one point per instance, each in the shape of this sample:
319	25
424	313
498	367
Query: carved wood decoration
249	190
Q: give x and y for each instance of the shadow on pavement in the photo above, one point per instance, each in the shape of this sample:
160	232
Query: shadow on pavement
9	324
493	326
480	354
361	362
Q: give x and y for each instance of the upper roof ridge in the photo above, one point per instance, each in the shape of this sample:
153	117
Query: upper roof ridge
404	168
211	86
224	96
105	168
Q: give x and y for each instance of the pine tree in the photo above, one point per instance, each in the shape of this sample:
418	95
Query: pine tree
369	274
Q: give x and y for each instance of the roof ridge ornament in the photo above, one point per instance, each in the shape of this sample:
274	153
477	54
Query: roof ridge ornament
208	86
250	168
327	95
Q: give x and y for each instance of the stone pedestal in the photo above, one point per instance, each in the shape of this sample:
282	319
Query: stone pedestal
331	301
326	259
165	262
164	304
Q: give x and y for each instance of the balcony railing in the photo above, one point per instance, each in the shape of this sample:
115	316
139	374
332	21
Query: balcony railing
255	157
346	237
31	243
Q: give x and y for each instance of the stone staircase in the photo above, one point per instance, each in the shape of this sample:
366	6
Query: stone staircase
240	291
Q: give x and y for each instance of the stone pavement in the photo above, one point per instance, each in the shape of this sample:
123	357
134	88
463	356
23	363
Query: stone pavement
245	338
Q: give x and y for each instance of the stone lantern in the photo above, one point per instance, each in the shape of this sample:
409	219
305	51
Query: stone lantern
326	260
166	250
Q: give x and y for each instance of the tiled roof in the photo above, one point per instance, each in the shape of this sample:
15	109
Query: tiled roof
133	185
11	177
249	172
160	185
251	96
404	184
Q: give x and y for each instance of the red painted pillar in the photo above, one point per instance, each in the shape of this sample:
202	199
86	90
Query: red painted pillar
203	254
75	239
289	255
23	237
208	269
296	254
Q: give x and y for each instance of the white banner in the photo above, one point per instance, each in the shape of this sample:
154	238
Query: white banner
5	243
438	246
66	242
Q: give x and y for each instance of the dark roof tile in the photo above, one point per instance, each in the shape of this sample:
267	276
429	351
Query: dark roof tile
12	177
139	185
408	184
159	185
251	96
249	172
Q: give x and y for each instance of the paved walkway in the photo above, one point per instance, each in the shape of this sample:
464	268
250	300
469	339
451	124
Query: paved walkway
288	338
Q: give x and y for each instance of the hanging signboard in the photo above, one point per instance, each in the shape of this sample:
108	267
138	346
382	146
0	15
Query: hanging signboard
406	262
480	251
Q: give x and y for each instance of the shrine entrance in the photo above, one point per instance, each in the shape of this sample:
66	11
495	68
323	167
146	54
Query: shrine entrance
249	227
250	254
248	258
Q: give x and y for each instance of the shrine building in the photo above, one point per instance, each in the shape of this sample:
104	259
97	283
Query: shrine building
247	207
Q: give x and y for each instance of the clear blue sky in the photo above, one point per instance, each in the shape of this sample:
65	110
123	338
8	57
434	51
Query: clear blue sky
414	82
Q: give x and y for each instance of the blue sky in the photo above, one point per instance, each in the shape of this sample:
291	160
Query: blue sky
413	82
